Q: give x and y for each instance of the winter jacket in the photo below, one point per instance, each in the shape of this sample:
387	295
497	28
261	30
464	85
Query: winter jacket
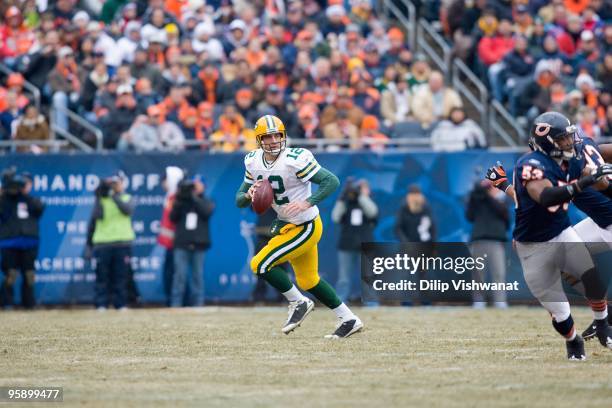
493	49
415	227
190	214
19	215
32	129
489	216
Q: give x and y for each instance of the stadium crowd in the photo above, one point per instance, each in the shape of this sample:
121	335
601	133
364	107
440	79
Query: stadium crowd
539	55
177	74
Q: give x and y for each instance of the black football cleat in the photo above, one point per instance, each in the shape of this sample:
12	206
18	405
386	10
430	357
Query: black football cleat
575	349
345	329
589	333
297	313
604	334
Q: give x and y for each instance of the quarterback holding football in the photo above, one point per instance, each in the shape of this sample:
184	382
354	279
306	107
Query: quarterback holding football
298	228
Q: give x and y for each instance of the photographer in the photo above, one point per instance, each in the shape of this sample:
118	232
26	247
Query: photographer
356	213
19	237
190	214
110	235
414	225
488	212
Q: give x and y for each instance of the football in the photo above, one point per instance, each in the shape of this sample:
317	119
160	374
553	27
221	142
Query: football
262	199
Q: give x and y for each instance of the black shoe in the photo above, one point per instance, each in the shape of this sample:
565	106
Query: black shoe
589	333
575	349
297	313
603	333
345	329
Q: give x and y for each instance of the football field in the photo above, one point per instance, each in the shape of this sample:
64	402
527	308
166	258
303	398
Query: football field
234	356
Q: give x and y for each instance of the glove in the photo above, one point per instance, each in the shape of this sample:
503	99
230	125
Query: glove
497	176
602	171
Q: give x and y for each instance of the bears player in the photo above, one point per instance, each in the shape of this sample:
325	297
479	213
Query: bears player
298	229
545	241
596	229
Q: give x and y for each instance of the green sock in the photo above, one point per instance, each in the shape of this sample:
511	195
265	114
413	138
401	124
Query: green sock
277	277
326	294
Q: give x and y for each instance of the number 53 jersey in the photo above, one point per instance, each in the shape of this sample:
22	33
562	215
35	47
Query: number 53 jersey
534	222
289	177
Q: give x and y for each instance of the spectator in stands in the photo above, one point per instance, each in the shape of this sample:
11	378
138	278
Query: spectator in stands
244	104
587	56
235	37
32	126
145	94
308	123
42	61
457	133
203	41
232	134
557	62
343	102
567	32
342	129
586	85
419	73
141	68
120	118
572	104
190	213
94	81
535	97
516	65
14	83
492	49
130	41
587	122
110	236
274	104
10	114
356	213
16	37
152	132
206	118
488	212
65	84
19	236
370	134
188	117
396	101
435	101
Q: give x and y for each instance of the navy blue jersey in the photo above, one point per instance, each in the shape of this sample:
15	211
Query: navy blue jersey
535	223
591	202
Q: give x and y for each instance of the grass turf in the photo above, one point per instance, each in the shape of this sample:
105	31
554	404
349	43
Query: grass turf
238	357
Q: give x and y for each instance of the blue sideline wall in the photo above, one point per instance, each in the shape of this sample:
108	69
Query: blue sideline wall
66	183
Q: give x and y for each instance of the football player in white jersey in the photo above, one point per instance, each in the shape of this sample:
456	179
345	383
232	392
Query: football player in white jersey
298	228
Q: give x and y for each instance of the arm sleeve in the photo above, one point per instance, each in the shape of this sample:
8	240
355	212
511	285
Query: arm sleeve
242	200
124	203
554	196
328	183
368	206
338	211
